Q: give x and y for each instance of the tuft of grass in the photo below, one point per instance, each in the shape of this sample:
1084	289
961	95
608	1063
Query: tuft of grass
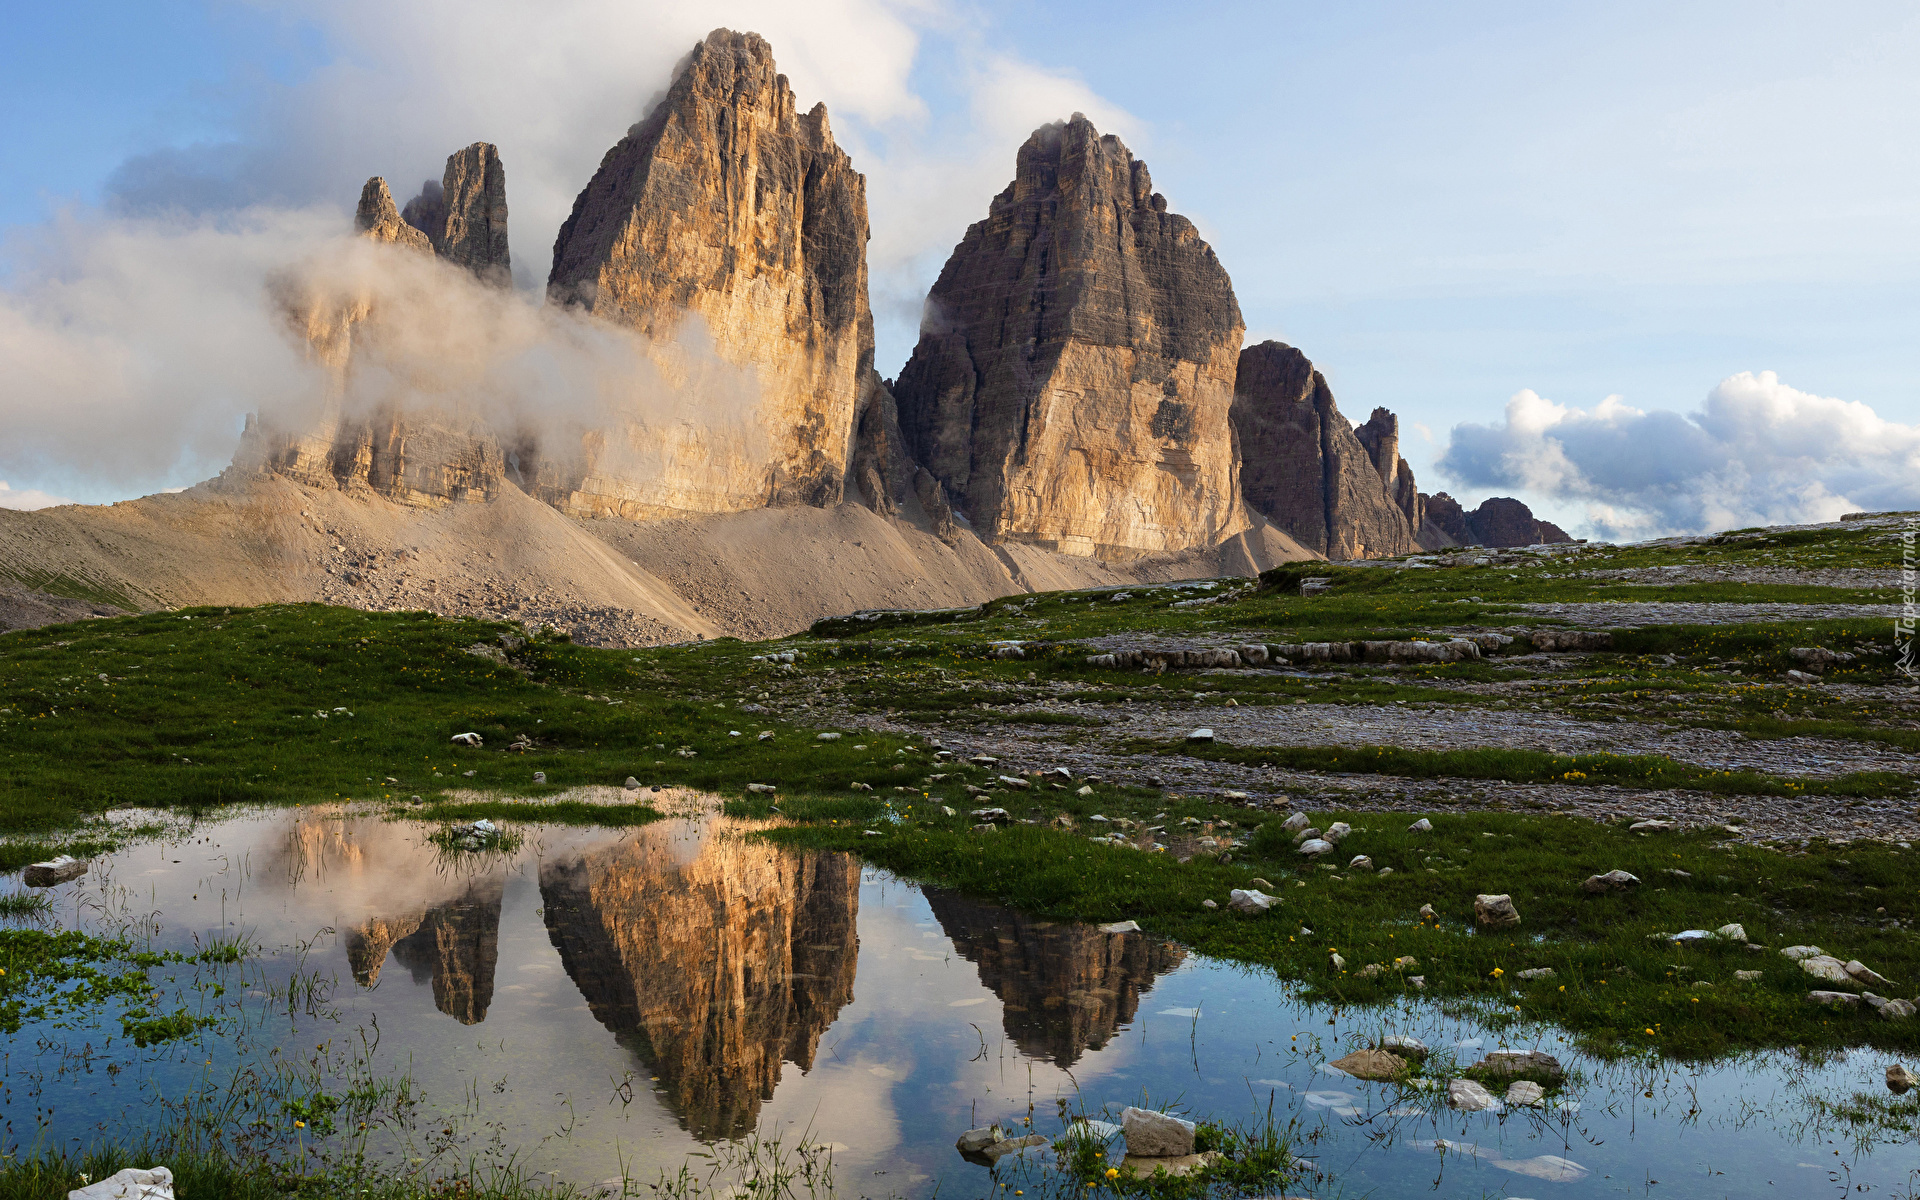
25	904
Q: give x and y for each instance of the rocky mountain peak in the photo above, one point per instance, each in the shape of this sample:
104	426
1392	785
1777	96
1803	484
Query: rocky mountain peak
378	218
1074	372
724	203
1306	469
464	214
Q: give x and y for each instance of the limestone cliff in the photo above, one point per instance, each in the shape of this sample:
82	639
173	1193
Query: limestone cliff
1498	521
457	947
1064	989
713	968
728	210
1303	467
377	219
464	215
1381	436
1075	367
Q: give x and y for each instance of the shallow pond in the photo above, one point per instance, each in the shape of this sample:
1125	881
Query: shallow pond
587	1002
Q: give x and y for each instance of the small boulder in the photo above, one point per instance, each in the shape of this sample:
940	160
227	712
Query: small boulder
468	739
1525	1093
1155	1134
827	737
762	787
56	870
1511	1064
1405	962
1315	847
1121	927
1360	863
1427	913
1861	973
1612	881
1411	1048
1897	1010
1732	932
133	1183
539	776
993	816
1748	976
1335	961
1372	1064
1495	912
1802	677
1468	1096
632	784
1826	967
1200	735
1371	971
1797	953
1337	832
973	1141
1834	999
1535	973
1899	1079
1016	782
1249	901
1421	826
1296	822
1209	904
1651	826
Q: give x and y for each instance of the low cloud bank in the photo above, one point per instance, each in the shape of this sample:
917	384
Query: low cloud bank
1757	452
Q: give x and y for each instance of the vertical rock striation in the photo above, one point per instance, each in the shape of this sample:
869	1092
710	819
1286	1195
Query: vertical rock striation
1064	989
378	220
465	214
1304	468
1075	367
457	945
728	205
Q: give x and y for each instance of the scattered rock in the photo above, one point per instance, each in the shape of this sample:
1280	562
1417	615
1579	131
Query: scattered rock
1495	912
1421	826
827	737
1406	1047
1155	1135
1337	832
1016	782
1818	658
1427	913
468	739
1121	927
1525	1093
1209	904
1371	971
1248	901
1899	1079
1732	932
1802	677
761	787
1834	999
539	776
1509	1064
1797	953
632	784
54	871
1749	976
1405	962
1612	881
1202	734
973	1141
1314	847
1086	790
1296	822
1372	1064
1861	973
1360	863
994	816
1535	973
1417	982
1468	1096
1335	961
1827	967
1897	1010
1651	826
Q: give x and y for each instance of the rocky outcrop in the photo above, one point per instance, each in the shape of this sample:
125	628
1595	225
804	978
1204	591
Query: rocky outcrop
1304	468
464	215
712	969
1064	989
457	946
377	219
729	209
1499	521
1075	367
1381	436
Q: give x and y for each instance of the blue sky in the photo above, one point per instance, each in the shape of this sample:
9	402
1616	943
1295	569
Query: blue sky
1445	206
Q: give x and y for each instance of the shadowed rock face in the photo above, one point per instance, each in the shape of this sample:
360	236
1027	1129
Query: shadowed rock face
713	971
729	205
1075	367
376	218
1065	989
1381	436
457	945
1305	469
1499	521
465	214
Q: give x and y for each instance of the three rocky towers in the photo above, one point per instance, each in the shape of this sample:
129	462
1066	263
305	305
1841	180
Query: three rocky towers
1079	383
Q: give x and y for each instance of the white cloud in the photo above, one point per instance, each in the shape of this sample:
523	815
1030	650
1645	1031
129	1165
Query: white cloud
27	498
135	339
1756	452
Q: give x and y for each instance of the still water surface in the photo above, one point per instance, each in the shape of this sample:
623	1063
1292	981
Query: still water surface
596	1002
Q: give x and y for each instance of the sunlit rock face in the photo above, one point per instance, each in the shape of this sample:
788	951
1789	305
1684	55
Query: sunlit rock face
422	455
457	947
1075	367
1305	469
713	969
1064	989
729	205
